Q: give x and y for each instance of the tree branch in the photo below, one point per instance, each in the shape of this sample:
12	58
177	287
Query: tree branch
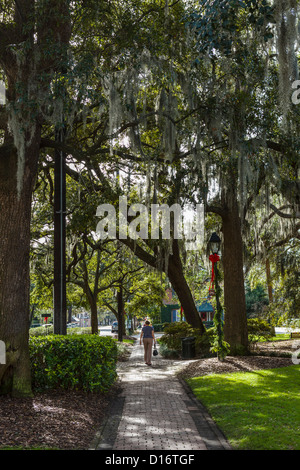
140	252
283	214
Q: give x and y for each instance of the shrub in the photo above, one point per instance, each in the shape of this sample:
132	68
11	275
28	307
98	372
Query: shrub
258	330
79	330
41	330
85	362
168	353
123	351
174	332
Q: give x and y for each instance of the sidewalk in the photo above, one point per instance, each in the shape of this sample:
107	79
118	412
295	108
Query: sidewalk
156	411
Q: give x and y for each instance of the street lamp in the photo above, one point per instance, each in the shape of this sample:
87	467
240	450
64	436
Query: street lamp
214	244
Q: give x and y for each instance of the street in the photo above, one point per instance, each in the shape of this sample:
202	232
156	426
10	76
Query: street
105	330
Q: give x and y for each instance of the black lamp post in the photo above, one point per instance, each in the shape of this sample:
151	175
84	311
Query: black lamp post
214	244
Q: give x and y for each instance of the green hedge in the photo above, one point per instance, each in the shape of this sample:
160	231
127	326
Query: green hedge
41	330
85	362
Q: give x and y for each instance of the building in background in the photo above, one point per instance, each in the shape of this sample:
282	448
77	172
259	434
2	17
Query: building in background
170	312
84	320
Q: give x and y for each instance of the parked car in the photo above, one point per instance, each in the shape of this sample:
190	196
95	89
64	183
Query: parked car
114	327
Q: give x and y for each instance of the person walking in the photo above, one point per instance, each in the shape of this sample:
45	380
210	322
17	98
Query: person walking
147	334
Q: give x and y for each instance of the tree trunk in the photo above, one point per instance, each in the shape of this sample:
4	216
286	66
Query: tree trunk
178	281
92	300
235	325
176	277
15	217
94	318
120	303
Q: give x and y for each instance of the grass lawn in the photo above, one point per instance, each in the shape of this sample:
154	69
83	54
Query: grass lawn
280	337
258	410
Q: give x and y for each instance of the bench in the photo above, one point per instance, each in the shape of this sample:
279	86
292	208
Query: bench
296	334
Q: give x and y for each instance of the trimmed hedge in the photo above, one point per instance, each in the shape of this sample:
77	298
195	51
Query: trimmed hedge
41	330
85	362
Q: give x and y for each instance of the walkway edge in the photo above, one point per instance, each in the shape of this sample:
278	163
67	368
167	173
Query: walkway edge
106	435
213	426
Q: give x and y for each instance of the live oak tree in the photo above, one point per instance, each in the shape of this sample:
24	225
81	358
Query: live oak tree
45	79
138	110
27	31
241	133
46	86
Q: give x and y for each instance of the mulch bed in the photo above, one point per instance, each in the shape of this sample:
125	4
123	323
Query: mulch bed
233	364
57	420
263	359
68	420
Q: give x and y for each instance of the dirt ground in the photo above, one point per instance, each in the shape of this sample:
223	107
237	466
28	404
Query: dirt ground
69	420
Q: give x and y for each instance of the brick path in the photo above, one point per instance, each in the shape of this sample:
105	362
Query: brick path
156	411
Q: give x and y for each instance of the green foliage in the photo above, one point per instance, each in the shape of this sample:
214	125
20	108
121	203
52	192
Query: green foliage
219	23
159	326
287	294
85	362
259	330
123	350
41	330
167	352
148	292
174	332
256	299
85	330
219	345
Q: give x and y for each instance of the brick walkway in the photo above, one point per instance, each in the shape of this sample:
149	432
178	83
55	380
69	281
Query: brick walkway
156	411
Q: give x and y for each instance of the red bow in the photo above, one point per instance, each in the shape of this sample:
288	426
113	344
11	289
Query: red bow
214	259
